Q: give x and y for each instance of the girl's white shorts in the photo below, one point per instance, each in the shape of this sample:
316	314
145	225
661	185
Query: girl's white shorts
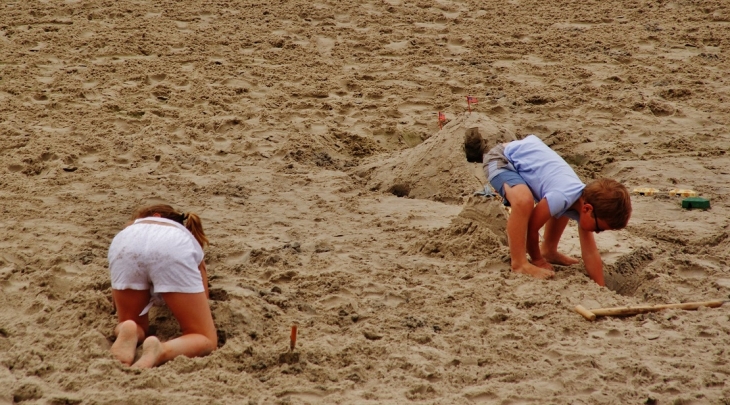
162	256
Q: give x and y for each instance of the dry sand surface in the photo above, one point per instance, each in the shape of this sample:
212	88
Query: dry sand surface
305	135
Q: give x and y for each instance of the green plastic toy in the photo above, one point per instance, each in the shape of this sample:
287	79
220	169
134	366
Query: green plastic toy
696	202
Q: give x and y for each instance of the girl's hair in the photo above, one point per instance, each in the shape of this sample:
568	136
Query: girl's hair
189	220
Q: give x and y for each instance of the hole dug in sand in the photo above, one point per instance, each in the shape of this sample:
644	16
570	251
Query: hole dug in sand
164	325
627	275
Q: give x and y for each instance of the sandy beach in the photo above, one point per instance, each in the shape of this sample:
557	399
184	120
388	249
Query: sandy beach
305	135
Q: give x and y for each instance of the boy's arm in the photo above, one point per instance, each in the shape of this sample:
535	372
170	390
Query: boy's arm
591	256
539	217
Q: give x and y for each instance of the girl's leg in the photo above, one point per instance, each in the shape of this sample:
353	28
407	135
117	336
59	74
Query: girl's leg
131	328
199	336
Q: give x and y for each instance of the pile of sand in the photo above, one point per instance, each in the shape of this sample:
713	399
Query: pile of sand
437	169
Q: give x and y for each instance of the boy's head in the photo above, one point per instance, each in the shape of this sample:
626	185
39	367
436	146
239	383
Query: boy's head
611	202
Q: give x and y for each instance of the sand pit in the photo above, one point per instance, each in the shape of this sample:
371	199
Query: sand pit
305	135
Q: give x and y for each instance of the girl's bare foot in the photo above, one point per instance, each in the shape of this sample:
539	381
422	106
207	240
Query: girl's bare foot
151	353
125	346
559	258
534	271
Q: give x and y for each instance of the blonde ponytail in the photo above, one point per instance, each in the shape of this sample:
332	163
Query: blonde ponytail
195	226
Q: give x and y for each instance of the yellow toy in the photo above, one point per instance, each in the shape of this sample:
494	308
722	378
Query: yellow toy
645	191
682	193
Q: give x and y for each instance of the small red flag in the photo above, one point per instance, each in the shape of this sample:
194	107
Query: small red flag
469	101
442	119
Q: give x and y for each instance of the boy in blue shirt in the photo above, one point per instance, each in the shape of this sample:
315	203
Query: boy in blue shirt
527	171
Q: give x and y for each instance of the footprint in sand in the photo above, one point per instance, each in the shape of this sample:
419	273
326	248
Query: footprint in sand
154	79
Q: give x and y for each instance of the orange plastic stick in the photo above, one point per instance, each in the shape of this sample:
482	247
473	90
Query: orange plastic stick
293	337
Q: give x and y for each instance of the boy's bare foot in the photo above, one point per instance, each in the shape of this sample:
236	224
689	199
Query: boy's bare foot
125	346
151	353
534	271
559	258
542	263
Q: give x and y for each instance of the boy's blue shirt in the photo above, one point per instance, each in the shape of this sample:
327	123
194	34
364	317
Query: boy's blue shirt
547	175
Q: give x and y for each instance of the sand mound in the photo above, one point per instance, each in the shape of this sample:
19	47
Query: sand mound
477	232
436	169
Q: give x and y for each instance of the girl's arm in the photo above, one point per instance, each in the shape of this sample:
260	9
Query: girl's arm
204	274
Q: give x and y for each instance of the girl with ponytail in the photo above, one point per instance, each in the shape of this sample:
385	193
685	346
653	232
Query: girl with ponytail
160	255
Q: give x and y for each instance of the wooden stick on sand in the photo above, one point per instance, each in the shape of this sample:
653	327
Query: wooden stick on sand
591	314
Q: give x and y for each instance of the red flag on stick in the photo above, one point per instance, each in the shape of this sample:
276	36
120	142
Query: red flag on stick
442	119
469	101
